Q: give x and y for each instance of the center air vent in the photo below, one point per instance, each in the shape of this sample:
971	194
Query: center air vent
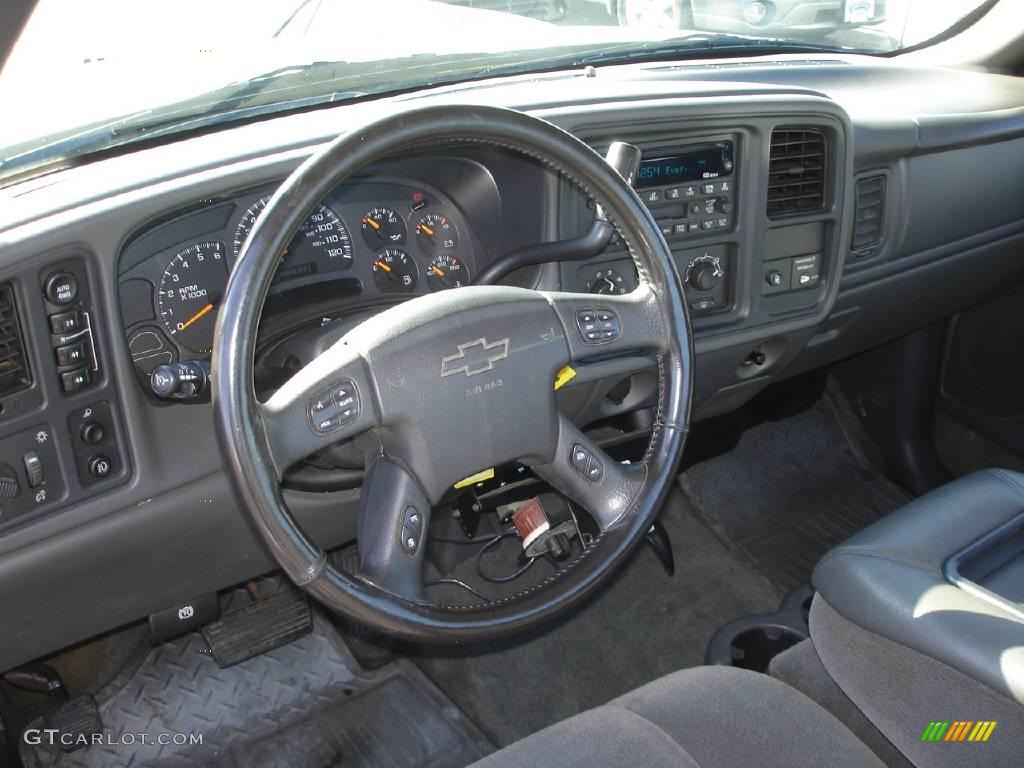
796	172
869	216
14	373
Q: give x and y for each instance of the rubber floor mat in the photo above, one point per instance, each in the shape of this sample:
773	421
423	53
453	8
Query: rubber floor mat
789	492
305	704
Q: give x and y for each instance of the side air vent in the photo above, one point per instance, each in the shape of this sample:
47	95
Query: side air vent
14	373
796	172
869	217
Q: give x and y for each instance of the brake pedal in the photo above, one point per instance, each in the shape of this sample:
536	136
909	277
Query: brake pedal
76	721
259	627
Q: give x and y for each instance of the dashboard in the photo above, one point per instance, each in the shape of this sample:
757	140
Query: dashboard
814	209
368	241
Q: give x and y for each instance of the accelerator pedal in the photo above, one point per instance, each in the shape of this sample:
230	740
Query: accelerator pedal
260	626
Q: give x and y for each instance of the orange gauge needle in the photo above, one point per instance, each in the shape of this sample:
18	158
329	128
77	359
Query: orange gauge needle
196	316
382	265
371	222
425	230
437	271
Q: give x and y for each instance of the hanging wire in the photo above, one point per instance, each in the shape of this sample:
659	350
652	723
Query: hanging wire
457	583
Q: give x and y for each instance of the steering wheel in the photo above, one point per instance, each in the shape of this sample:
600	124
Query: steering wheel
443	386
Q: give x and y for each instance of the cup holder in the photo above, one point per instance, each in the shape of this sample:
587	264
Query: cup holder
752	642
754	648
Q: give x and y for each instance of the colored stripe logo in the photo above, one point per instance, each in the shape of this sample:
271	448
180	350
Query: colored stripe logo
958	730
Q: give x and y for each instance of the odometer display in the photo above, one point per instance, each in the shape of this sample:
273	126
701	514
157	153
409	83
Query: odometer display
191	288
322	244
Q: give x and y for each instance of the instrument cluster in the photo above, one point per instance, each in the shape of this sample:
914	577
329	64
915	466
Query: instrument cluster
376	240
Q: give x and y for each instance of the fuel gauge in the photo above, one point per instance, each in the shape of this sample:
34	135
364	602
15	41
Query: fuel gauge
394	271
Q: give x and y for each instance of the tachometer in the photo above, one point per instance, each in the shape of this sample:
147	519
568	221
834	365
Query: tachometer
394	271
322	244
447	271
191	288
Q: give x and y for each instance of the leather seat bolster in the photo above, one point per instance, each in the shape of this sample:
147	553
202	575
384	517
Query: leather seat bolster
889	579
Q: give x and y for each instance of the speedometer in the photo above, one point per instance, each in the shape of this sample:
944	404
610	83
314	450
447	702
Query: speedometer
322	244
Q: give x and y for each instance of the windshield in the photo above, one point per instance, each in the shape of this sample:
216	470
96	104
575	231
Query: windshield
87	75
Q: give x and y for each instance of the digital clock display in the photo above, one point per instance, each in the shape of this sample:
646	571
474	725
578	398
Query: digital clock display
708	163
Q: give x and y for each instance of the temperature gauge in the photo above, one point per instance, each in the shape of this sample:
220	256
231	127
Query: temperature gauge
447	271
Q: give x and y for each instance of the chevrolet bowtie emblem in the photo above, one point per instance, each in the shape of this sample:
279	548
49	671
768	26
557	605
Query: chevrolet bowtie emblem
474	357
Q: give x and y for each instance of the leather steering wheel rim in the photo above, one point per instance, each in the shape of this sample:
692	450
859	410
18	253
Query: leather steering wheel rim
251	434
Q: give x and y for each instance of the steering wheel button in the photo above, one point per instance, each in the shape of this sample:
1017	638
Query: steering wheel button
595	472
580	458
413	518
409	539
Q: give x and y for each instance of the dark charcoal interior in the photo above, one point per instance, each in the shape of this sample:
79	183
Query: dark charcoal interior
835	542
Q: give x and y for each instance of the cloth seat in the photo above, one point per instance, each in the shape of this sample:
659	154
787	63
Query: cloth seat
705	717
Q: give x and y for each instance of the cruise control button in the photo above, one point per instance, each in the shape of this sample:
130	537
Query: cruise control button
409	539
580	458
413	520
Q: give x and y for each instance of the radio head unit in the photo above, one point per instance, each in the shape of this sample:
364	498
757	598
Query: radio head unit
710	161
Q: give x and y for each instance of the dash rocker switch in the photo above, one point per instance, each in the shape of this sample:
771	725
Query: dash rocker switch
33	469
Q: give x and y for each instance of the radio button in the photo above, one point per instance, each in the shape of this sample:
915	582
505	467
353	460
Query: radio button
652	197
708	189
673	193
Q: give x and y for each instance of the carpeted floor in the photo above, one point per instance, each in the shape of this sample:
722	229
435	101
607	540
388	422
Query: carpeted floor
789	492
642	626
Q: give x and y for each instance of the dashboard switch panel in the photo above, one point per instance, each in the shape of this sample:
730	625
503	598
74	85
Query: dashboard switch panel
335	407
65	289
94	441
30	476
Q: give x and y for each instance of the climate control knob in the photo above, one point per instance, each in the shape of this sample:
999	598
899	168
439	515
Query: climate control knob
704	272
